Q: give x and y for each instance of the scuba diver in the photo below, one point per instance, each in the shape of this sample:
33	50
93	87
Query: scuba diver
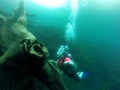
67	65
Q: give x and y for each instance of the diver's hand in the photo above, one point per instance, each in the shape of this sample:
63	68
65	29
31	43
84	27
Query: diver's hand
85	75
82	75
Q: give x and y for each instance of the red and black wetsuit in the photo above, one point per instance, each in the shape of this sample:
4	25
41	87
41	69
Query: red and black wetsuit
63	60
67	65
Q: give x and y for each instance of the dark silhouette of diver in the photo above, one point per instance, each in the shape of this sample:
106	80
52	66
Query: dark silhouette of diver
67	65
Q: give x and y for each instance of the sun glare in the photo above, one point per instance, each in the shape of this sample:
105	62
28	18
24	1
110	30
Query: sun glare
51	3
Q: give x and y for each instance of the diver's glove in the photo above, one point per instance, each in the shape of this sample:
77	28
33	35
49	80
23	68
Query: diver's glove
34	49
82	75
